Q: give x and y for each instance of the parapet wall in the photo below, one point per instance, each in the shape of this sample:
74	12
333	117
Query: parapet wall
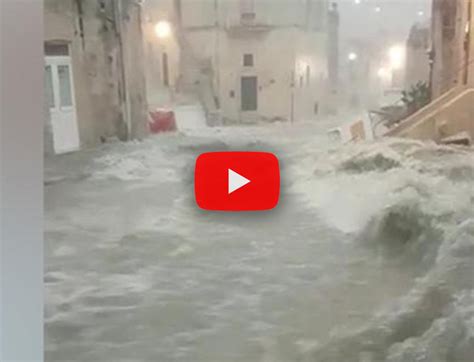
439	120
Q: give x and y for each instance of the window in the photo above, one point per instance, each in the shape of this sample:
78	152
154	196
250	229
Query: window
248	60
56	49
48	84
64	86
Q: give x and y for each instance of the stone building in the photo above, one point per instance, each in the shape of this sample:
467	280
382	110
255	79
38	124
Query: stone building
255	59
94	72
453	44
162	52
450	115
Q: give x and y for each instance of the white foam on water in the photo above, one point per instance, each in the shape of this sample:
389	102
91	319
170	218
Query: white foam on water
357	225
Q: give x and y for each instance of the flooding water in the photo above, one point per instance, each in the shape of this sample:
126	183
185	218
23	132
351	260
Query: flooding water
368	256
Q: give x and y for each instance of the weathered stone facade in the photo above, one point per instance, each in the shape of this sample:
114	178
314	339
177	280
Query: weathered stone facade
453	44
451	112
106	50
275	51
162	55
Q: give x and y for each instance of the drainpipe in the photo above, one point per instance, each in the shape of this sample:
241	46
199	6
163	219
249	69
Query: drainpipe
126	109
468	42
217	54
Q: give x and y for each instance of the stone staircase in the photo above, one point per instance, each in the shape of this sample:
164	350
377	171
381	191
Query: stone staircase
196	79
448	115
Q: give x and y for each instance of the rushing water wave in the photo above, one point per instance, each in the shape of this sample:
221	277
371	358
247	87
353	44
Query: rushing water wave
426	219
369	256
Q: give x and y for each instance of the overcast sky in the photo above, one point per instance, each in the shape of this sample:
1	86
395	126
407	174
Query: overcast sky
381	20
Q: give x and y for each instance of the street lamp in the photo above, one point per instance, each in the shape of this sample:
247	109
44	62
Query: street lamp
396	55
352	56
163	29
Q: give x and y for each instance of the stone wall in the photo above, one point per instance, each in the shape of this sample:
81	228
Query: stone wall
450	118
160	91
106	52
450	51
451	111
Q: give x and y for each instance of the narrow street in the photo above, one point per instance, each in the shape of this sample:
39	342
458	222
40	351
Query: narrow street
237	181
135	270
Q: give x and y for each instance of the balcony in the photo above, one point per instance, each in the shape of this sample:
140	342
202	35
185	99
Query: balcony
247	18
247	23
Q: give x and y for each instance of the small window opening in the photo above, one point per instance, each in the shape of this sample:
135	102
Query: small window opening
248	60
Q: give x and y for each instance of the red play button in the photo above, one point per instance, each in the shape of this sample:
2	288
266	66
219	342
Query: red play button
237	181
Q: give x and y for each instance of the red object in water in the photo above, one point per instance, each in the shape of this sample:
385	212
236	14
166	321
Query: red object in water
162	121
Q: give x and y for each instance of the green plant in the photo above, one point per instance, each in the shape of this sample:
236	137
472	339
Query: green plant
416	97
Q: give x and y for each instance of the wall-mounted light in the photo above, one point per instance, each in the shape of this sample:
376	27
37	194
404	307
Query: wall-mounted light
352	56
163	29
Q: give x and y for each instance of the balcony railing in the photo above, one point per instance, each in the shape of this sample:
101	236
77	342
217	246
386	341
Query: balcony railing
247	18
246	22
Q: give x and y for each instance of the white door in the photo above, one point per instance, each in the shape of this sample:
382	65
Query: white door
60	95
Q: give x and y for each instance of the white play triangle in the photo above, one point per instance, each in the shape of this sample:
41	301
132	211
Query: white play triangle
235	181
